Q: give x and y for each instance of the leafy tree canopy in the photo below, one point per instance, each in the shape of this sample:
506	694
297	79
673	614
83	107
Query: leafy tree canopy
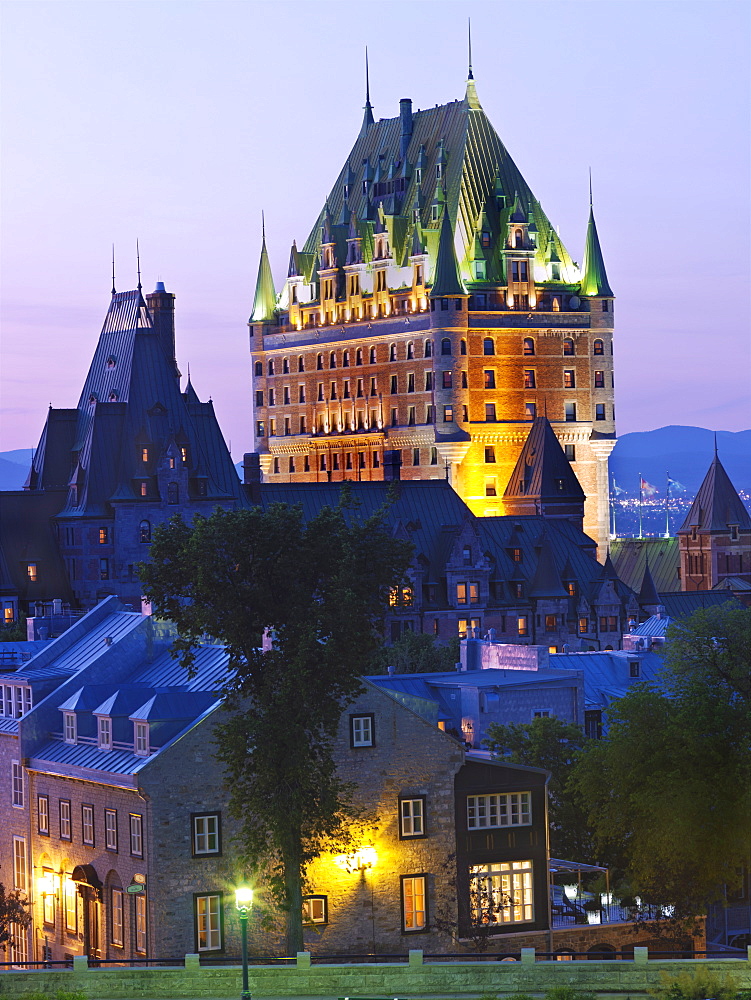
669	788
415	653
14	909
555	746
299	606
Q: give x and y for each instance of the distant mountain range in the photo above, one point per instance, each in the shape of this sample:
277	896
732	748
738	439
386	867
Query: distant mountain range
683	452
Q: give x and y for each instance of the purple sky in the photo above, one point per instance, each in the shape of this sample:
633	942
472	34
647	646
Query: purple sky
177	123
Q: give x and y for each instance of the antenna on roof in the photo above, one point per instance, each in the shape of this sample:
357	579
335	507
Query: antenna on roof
470	75
715	444
263	226
113	268
590	187
367	79
138	265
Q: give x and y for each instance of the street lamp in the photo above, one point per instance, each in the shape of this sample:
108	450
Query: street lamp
244	904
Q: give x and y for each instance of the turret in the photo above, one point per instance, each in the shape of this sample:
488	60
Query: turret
264	301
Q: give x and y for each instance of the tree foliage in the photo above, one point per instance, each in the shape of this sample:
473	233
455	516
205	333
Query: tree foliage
555	746
14	909
669	788
316	591
416	653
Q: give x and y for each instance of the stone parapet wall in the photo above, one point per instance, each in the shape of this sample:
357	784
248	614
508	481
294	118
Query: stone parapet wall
392	979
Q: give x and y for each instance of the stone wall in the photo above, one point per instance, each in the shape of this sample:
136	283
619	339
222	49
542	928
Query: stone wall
389	980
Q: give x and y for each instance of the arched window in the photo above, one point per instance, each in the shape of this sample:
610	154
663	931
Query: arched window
332	359
271	367
598	347
358	356
528	347
319	362
259	368
392	352
445	346
173	493
144	531
285	366
345	359
464	380
488	346
556	304
301	364
518	238
428	348
463	347
372	355
410	351
568	348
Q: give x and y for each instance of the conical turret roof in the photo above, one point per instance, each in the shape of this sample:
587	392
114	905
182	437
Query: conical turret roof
717	503
264	302
594	280
446	280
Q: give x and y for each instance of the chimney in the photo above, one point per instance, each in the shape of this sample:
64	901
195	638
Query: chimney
252	475
405	113
392	464
162	308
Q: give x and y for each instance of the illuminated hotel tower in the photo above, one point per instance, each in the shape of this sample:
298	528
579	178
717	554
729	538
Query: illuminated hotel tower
431	314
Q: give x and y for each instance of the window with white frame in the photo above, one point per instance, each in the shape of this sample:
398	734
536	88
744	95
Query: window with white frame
487	812
361	730
48	899
110	829
140	923
104	732
209	922
412	817
206	834
20	871
315	910
18	944
136	834
66	831
43	815
87	824
117	918
70	730
414	903
8	701
141	739
70	899
17	790
501	893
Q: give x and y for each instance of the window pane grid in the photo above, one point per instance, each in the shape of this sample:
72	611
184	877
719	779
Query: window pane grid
502	893
485	812
413	896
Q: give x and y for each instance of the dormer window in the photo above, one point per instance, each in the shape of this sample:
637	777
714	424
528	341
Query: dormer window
111	361
733	532
144	454
104	732
518	238
438	171
31	572
418	175
141	739
70	729
184	455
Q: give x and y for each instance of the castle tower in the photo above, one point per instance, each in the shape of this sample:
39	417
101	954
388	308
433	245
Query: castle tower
715	538
433	309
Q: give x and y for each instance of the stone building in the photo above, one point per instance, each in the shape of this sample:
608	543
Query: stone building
112	785
434	310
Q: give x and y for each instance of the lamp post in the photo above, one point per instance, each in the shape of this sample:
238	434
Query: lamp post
244	904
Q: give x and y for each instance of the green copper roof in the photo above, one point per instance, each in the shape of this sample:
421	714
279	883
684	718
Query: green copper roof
476	172
446	279
594	280
264	302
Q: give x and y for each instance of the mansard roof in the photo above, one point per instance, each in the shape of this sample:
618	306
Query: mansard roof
478	174
717	504
131	400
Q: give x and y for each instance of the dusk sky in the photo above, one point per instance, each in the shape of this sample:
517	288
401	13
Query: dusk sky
177	123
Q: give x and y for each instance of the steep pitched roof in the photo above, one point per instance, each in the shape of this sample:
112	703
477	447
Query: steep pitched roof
446	278
648	593
542	470
547	578
264	302
594	279
717	503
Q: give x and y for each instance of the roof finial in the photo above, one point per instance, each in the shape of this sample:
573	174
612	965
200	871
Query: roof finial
470	75
138	265
367	120
263	225
590	187
113	269
367	78
715	444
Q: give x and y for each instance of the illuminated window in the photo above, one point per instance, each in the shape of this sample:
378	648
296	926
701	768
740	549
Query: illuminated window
31	572
20	869
486	812
461	593
598	348
529	378
70	902
315	910
569	379
599	380
412	817
141	923
117	918
448	414
568	347
447	380
501	893
361	730
522	625
208	922
489	378
551	623
414	903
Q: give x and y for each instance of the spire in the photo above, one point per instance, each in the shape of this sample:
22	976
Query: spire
470	97
367	120
717	504
594	280
138	265
446	279
264	302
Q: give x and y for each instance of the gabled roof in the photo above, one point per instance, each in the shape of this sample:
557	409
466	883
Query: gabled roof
717	504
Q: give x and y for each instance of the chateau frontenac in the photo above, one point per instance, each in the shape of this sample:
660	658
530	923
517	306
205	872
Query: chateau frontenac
432	313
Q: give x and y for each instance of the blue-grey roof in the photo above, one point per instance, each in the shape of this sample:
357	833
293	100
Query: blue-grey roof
210	666
607	675
656	625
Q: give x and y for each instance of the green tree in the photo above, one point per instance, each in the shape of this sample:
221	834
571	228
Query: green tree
555	746
14	909
299	606
415	653
669	788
